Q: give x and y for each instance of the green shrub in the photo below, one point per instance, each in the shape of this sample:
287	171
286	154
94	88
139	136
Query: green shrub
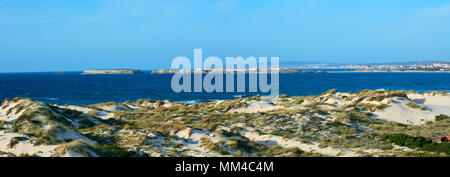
211	146
353	116
278	151
406	140
441	117
243	145
421	143
112	150
437	147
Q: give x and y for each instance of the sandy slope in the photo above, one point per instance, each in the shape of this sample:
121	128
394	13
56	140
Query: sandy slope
439	104
263	105
11	111
399	112
272	140
23	147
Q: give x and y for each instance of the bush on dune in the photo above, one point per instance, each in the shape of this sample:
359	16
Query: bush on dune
406	140
420	143
112	150
441	117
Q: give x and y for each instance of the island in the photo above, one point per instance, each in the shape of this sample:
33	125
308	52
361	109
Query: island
111	71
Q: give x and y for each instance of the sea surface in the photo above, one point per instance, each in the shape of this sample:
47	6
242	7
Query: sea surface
74	88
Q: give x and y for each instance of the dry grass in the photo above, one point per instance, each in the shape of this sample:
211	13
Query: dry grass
414	105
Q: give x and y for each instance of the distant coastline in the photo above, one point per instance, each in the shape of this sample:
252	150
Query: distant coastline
391	71
111	71
172	71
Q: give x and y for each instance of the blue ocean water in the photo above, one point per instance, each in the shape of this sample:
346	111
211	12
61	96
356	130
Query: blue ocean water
74	88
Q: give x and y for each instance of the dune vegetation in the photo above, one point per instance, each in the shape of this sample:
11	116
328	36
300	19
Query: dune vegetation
365	123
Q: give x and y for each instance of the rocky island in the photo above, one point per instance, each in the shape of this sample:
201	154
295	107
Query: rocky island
112	71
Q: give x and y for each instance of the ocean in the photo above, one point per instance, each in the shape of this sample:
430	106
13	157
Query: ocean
77	89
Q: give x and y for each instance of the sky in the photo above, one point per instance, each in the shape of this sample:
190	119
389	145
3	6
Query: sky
74	35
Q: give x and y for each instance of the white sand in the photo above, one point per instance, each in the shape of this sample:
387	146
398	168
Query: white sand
263	105
24	147
439	104
12	116
271	140
192	142
69	134
336	101
399	112
186	133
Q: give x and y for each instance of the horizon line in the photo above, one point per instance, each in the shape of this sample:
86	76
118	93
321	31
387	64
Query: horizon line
306	62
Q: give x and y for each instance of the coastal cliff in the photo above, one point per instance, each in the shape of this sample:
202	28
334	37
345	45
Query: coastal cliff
112	71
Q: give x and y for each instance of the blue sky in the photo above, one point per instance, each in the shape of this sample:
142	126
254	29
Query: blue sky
72	35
